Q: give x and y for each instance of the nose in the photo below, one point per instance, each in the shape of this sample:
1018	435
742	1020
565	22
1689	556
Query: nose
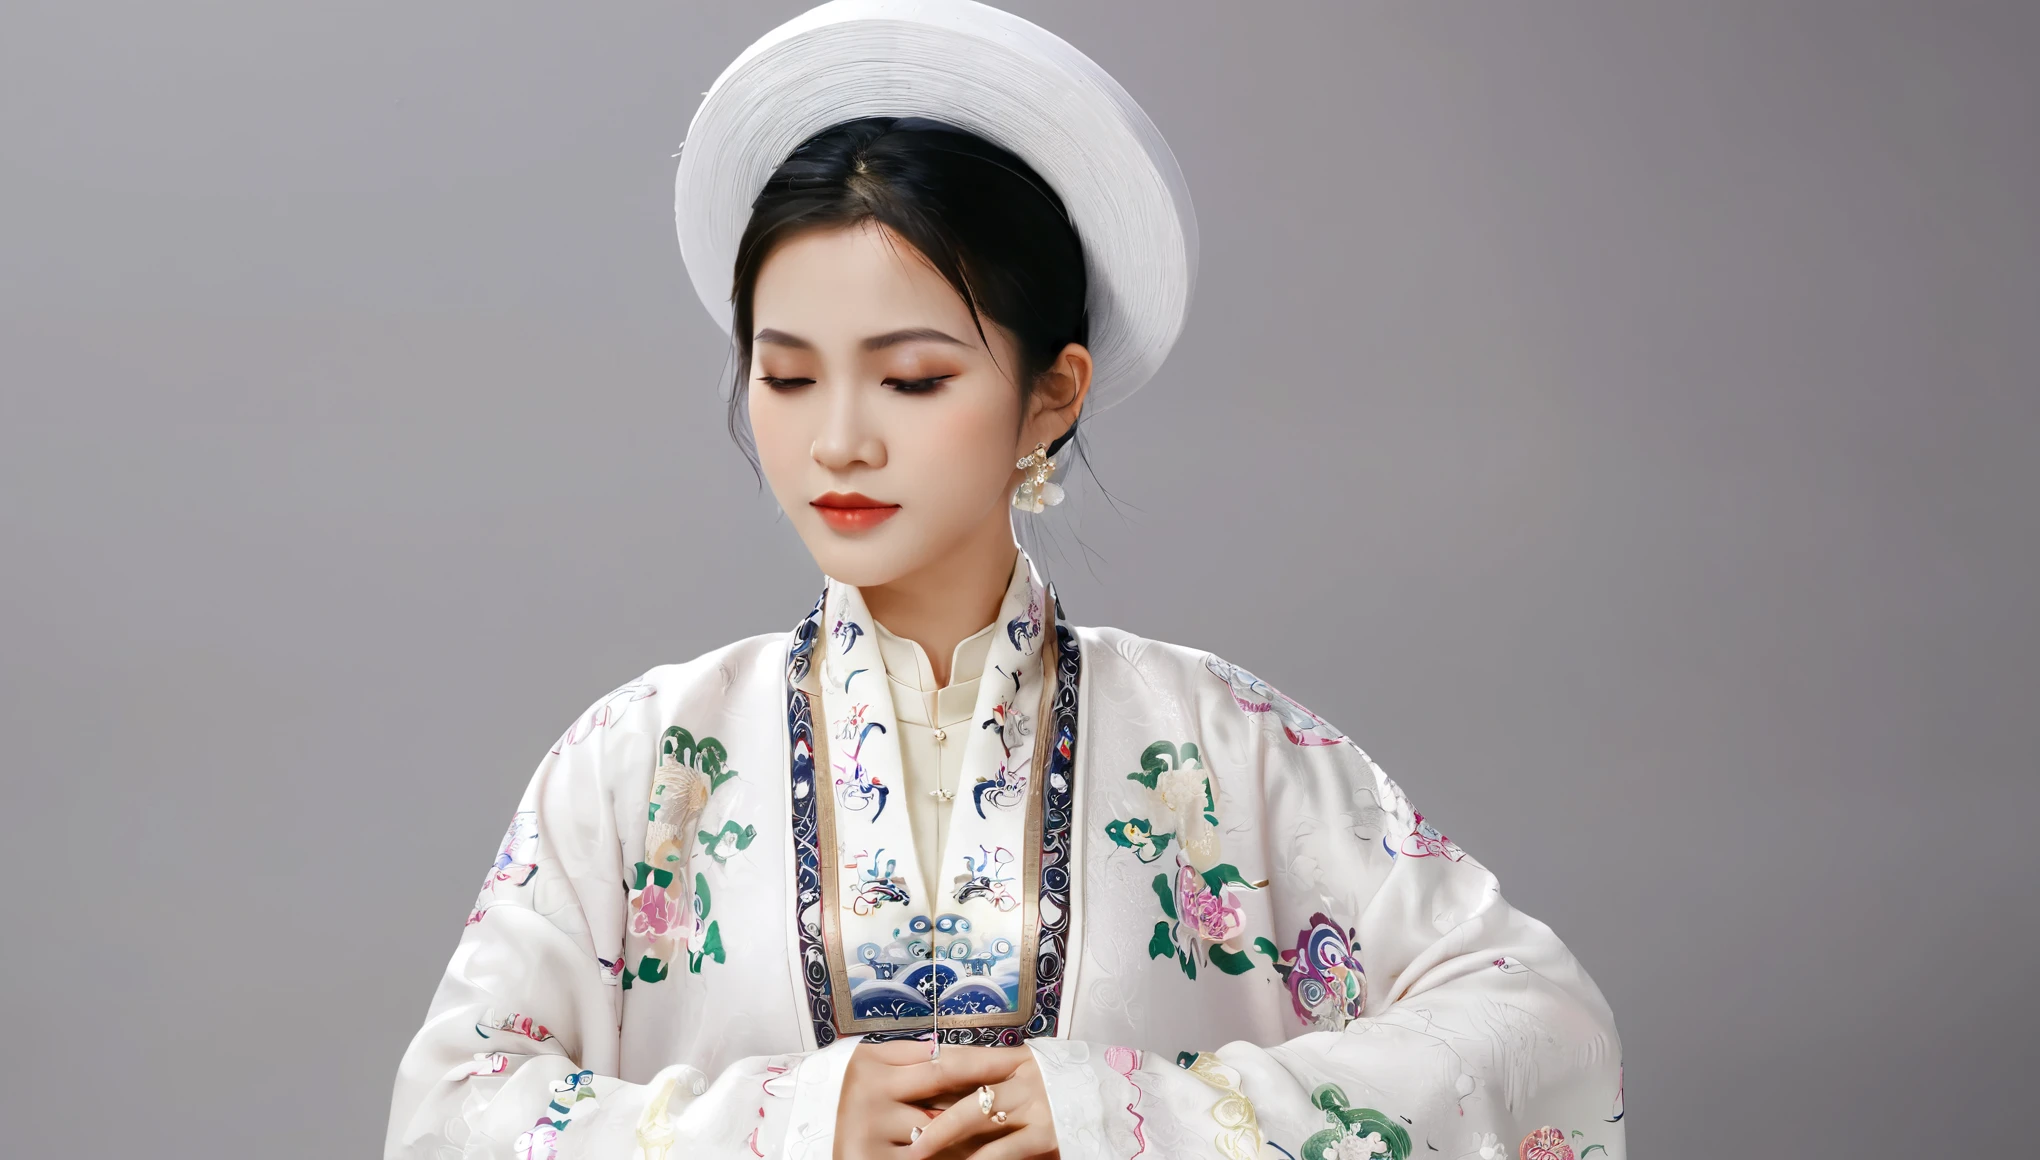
847	438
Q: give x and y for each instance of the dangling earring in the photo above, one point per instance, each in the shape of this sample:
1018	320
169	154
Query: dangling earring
1036	492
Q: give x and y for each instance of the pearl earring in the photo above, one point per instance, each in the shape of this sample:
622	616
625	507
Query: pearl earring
1036	492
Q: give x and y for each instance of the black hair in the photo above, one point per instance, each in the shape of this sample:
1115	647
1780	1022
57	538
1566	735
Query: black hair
979	214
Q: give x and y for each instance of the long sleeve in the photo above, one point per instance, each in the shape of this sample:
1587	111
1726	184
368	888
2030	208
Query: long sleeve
1435	1018
518	1055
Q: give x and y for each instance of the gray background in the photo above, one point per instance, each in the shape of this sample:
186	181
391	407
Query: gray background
1620	417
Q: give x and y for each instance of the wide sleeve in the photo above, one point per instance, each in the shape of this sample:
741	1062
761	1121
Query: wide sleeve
1446	1021
518	1053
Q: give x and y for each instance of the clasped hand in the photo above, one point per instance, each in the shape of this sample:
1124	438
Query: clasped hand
890	1089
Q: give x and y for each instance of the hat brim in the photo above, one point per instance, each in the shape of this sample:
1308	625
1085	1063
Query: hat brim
983	70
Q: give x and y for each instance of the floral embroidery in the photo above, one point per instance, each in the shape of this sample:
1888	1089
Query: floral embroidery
1126	1061
990	877
1426	842
1183	794
1202	914
725	842
1239	1127
1023	629
1356	1133
872	888
515	1024
852	723
859	788
516	862
1545	1143
1251	693
707	943
1008	786
1004	789
1203	919
488	1063
690	771
1138	835
846	632
1326	985
542	1141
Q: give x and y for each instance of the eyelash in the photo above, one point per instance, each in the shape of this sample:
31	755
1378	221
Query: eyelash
903	386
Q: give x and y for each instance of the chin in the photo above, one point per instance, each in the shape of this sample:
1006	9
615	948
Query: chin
864	561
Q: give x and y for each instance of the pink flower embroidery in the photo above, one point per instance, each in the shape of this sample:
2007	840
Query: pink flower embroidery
655	915
1215	917
1545	1144
1426	842
1126	1061
542	1142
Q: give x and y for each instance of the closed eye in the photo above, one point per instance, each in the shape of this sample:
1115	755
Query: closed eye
917	386
779	384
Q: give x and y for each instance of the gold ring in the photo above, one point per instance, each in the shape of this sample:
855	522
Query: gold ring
985	1098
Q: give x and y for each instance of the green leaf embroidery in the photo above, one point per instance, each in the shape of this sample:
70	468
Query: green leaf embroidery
711	948
1226	874
1167	896
646	872
1262	944
650	969
706	755
1161	944
1231	962
1138	835
1348	1121
712	842
1153	765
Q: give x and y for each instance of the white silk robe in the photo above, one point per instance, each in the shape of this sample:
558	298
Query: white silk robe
1250	944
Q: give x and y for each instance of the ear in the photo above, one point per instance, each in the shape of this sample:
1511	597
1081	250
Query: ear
1058	397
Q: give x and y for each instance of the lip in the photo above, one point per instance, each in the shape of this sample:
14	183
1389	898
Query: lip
848	511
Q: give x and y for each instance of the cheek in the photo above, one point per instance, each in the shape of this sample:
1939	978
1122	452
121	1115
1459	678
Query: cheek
781	436
975	441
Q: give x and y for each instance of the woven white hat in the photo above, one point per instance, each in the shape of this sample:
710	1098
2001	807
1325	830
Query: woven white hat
1018	86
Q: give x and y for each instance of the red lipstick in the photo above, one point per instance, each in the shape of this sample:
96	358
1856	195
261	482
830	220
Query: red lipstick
847	511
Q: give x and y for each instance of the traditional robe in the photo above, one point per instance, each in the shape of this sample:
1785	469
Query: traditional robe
1220	927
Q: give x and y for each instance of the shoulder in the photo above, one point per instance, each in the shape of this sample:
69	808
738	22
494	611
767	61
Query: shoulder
718	680
1207	680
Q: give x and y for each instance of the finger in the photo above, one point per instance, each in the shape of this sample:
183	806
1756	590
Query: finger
896	1122
966	1120
959	1069
1030	1141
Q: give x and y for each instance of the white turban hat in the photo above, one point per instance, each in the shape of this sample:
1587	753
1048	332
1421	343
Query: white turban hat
1013	83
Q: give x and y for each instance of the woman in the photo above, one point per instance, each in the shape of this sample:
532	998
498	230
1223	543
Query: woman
1148	905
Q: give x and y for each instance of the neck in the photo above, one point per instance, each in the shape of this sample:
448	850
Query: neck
950	598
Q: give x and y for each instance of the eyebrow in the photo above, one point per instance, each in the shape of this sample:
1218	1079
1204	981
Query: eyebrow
875	342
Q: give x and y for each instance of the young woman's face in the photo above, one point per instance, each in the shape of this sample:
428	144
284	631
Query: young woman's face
886	427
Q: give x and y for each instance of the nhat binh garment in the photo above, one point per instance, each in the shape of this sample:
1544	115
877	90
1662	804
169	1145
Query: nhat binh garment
1222	930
